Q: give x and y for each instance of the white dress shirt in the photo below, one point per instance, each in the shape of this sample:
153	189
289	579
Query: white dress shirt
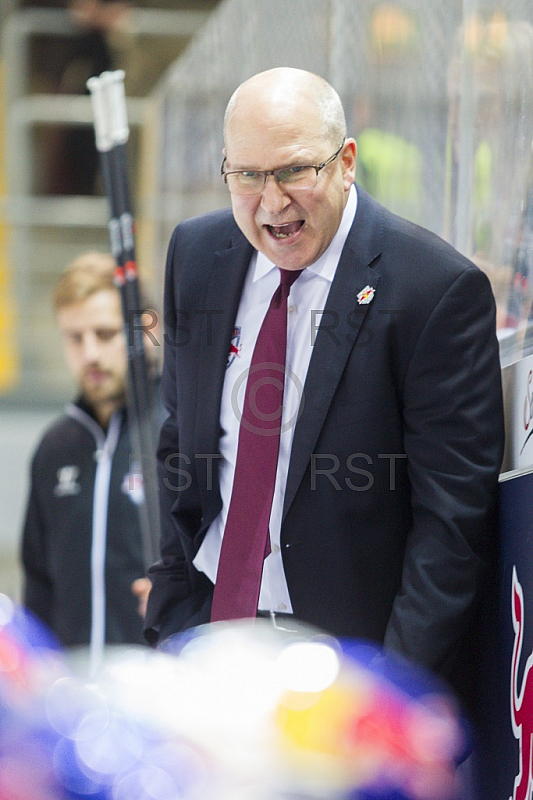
305	304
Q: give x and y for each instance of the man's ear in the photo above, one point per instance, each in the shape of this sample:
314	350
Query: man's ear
348	159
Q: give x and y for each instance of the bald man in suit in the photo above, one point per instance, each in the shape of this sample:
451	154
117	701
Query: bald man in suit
382	523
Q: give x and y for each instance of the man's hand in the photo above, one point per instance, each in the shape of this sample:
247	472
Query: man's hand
141	589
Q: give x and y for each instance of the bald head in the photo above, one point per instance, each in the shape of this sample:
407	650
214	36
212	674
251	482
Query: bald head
281	93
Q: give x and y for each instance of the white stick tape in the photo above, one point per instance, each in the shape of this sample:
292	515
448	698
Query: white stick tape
114	83
109	109
102	124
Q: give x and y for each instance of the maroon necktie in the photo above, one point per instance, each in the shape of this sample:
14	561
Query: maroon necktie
246	541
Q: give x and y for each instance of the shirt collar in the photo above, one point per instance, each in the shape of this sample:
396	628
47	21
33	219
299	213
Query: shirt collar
326	265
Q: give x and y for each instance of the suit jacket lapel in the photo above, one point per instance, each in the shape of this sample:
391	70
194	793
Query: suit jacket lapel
224	289
332	348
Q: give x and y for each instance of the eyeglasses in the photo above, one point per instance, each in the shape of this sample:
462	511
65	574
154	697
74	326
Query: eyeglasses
252	181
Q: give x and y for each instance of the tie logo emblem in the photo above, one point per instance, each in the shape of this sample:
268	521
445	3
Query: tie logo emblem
366	295
235	346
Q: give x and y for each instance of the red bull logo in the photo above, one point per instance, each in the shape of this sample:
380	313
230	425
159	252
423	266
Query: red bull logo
521	698
366	295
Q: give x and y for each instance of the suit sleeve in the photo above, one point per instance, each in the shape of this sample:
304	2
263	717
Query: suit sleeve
453	439
174	600
37	593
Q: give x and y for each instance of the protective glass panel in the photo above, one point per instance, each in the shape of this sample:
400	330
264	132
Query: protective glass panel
438	95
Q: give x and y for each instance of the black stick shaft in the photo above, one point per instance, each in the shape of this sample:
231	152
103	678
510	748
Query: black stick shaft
141	394
141	414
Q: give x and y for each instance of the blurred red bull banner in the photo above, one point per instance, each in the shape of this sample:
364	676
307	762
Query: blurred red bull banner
506	686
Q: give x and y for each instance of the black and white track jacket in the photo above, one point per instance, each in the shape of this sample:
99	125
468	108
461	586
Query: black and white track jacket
82	545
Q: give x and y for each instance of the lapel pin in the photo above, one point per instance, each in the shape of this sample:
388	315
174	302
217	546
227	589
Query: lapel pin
366	295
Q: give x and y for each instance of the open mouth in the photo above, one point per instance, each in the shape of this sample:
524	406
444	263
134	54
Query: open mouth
286	231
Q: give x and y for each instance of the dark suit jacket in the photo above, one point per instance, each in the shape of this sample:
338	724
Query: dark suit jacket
388	523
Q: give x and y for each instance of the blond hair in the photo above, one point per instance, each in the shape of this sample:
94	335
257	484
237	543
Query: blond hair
88	274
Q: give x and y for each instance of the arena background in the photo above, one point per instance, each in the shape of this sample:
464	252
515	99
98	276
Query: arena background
439	96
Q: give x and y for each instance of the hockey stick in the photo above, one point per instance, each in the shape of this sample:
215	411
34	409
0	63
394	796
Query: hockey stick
111	134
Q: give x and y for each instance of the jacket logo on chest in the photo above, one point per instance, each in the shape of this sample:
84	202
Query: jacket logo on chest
67	482
366	295
133	484
235	346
